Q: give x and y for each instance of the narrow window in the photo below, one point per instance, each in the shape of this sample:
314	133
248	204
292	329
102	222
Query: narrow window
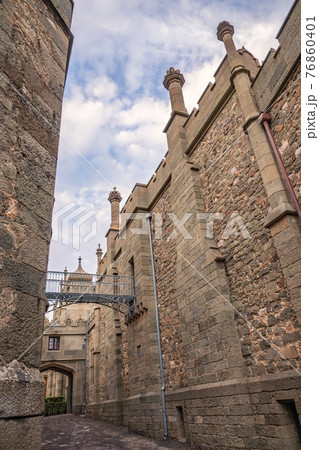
139	351
92	367
294	422
132	269
291	407
116	283
180	422
132	274
54	343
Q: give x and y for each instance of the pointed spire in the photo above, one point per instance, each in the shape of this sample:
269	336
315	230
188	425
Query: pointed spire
80	268
80	274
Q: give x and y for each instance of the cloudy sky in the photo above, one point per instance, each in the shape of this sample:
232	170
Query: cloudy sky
115	105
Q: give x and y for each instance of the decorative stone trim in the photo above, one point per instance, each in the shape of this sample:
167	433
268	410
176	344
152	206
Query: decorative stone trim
174	113
173	75
224	28
274	215
250	119
213	254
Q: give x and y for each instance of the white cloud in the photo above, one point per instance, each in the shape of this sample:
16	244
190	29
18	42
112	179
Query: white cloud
145	110
196	82
101	88
82	119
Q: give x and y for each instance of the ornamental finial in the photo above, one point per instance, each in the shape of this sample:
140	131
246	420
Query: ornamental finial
115	196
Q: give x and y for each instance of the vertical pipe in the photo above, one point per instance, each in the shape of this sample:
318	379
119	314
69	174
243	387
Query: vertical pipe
86	362
149	218
264	118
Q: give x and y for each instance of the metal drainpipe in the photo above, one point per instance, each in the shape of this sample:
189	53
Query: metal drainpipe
86	359
264	119
149	218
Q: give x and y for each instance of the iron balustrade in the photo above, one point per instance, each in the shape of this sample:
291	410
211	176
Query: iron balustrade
114	291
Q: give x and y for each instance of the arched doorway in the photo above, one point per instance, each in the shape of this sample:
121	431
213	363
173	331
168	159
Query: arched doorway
65	371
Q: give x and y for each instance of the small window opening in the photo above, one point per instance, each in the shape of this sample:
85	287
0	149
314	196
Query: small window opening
139	351
290	407
181	425
54	343
92	367
132	274
293	412
132	269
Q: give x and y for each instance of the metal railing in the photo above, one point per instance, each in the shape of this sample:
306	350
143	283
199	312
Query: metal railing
68	287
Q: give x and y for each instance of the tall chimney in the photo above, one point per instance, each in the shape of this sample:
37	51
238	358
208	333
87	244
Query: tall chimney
173	82
115	199
99	254
225	33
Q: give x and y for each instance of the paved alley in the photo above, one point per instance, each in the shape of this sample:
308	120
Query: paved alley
75	432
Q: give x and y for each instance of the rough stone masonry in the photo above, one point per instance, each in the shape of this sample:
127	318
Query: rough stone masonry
231	353
35	47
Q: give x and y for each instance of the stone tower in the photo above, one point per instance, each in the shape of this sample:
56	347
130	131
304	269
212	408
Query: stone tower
34	55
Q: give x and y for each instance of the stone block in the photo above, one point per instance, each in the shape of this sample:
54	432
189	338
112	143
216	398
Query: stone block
22	277
34	198
21	391
21	433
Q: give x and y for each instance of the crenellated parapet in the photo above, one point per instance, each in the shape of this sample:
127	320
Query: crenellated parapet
210	103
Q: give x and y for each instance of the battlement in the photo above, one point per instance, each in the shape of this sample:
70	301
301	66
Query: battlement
279	63
143	197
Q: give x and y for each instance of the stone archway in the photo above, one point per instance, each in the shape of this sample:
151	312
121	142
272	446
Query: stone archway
65	371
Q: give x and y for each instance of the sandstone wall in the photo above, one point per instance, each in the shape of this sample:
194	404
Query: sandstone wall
231	184
229	304
34	53
165	260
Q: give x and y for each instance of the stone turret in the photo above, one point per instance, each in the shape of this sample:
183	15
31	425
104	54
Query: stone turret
225	32
99	254
115	199
173	82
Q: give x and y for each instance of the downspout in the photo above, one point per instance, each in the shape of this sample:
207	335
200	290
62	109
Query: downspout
264	119
85	365
149	218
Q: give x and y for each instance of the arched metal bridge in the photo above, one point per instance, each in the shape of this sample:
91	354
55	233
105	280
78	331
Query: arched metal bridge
115	291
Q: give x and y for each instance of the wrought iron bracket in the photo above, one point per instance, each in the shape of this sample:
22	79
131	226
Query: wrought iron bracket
125	304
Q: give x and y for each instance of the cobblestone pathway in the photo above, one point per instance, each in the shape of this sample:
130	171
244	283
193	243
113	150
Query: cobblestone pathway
80	433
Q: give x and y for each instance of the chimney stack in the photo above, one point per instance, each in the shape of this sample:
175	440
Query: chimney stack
99	254
115	199
225	33
173	82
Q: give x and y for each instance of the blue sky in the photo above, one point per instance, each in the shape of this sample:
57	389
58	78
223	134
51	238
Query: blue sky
115	105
